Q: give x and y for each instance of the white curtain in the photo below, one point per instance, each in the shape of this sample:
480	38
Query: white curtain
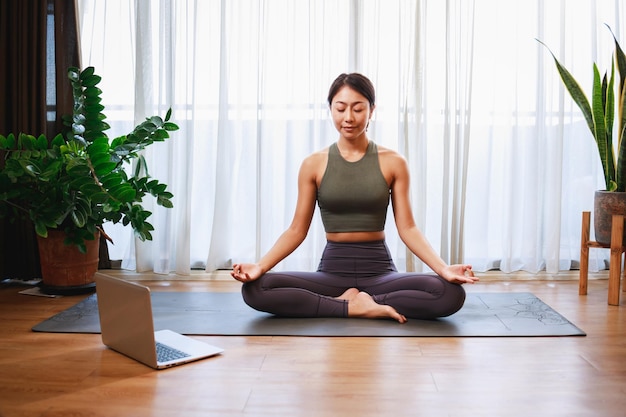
501	162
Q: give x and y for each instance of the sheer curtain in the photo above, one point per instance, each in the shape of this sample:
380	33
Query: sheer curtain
500	160
533	165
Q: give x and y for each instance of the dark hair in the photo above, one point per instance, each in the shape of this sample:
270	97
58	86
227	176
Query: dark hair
357	82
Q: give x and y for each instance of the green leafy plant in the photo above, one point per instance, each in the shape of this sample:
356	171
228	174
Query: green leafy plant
78	180
600	114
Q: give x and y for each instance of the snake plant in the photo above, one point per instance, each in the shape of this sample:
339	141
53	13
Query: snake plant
600	115
79	180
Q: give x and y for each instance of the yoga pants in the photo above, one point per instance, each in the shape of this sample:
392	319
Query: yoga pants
367	266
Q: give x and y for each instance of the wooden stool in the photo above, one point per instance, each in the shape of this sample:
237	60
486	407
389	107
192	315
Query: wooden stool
615	267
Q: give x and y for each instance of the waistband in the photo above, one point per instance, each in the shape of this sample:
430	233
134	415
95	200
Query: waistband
356	259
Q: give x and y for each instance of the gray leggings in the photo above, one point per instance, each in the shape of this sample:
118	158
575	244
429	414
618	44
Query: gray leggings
366	266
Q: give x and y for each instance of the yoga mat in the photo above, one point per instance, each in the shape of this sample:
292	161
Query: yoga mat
225	314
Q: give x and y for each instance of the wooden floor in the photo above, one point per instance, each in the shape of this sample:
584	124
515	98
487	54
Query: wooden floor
45	374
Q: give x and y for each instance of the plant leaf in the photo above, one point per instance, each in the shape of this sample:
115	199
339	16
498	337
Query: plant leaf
599	127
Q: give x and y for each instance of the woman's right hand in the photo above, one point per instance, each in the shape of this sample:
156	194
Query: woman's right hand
246	272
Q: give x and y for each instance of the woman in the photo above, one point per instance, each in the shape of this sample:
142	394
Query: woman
352	182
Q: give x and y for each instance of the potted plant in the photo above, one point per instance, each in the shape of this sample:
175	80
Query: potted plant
71	185
600	115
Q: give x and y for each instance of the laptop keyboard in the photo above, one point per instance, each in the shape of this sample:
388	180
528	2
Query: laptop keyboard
166	353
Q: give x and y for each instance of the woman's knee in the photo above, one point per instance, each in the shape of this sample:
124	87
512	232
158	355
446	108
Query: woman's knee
252	295
452	300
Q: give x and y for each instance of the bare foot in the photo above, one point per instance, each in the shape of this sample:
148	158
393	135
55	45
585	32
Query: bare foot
363	305
349	294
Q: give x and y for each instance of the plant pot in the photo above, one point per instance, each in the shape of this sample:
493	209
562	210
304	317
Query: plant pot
64	269
605	204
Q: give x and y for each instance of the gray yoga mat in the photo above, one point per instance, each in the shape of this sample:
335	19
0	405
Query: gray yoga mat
225	314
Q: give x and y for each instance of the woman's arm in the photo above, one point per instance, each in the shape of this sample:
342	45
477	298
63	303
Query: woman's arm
297	231
413	238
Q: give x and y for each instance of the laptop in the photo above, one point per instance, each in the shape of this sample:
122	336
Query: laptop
127	326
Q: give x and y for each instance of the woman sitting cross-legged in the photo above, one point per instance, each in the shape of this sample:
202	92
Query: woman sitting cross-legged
353	181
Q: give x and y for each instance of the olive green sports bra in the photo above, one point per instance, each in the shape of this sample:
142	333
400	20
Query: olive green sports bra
353	196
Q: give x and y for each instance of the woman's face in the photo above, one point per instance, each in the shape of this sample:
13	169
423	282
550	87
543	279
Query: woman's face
351	113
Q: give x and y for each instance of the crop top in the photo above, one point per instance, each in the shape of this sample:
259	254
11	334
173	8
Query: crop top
353	196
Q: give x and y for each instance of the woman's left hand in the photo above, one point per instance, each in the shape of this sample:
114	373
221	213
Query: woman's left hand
246	272
459	274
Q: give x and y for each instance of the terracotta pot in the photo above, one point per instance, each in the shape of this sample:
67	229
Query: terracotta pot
64	270
605	204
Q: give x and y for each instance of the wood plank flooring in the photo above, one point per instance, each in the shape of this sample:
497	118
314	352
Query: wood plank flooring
45	374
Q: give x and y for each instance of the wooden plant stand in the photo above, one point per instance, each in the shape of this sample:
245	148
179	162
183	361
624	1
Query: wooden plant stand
615	267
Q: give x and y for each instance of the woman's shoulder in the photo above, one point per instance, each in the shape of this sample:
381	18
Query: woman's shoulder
389	154
316	160
392	164
319	154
